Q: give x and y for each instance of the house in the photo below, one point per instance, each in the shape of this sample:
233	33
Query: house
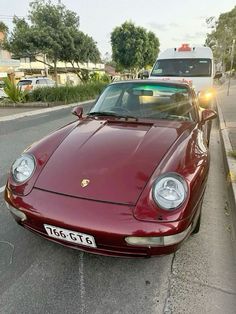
8	66
65	72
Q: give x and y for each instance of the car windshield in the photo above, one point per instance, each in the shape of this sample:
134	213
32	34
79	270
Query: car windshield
145	101
25	82
182	67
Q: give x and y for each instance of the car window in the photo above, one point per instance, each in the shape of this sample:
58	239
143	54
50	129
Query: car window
50	82
2	85
24	82
109	101
148	101
41	81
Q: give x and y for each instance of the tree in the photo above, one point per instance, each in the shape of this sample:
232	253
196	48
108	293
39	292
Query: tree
152	50
133	47
84	50
23	41
221	37
53	32
54	27
3	27
4	31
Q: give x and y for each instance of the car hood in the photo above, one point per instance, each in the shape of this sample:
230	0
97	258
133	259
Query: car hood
109	161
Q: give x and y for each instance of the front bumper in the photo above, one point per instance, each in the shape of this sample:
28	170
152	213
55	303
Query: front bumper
108	223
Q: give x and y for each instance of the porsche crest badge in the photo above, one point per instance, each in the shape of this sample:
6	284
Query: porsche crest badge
84	183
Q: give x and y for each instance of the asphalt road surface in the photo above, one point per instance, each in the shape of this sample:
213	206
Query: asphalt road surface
37	276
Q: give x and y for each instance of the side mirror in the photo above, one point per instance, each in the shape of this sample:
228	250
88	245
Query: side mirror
218	75
145	74
208	114
78	111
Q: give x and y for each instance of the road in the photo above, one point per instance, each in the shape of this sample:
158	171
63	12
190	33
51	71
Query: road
37	276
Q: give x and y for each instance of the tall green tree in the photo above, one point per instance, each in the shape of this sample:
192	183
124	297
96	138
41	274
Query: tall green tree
84	50
53	32
133	47
4	30
3	27
221	37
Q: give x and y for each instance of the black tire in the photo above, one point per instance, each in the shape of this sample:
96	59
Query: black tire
197	227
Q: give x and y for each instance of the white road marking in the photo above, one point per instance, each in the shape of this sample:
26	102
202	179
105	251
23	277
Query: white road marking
2	189
82	284
40	111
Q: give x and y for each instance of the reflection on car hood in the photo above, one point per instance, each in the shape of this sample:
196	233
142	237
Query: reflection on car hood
113	159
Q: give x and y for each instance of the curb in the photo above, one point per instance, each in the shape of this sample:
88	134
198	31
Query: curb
229	163
43	110
31	105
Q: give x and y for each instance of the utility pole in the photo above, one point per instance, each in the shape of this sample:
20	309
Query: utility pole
231	65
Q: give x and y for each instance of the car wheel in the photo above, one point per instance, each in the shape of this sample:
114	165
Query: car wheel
197	227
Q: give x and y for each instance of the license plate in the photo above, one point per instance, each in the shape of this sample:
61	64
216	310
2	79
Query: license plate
70	236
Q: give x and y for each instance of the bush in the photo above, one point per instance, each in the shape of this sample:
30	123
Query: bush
67	94
14	92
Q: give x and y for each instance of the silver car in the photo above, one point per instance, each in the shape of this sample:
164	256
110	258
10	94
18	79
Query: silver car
32	83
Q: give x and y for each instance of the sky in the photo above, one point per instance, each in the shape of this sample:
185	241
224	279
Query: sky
173	21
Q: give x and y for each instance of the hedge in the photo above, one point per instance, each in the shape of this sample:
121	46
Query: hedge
67	94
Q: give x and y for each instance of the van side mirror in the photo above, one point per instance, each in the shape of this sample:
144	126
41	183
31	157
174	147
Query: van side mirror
78	111
145	74
208	114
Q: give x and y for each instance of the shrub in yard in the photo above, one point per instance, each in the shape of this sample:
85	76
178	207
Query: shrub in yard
14	92
105	78
67	94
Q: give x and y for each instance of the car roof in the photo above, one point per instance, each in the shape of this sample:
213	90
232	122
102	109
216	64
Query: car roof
34	78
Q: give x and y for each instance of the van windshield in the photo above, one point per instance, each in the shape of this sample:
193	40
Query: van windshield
183	67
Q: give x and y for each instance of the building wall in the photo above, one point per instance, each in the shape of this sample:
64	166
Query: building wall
7	65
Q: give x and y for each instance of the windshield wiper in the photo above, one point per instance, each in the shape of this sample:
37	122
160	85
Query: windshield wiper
111	114
102	113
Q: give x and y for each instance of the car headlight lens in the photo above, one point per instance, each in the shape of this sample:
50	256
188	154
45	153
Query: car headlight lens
23	168
170	191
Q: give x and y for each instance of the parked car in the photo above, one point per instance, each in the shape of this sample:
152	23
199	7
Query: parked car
127	179
2	93
32	83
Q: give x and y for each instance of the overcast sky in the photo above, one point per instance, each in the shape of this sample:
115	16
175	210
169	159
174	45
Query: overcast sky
173	21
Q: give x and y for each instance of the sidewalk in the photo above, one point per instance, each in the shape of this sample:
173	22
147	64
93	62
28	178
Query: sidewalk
12	113
5	111
226	106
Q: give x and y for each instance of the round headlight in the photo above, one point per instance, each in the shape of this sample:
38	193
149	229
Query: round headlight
170	191
23	168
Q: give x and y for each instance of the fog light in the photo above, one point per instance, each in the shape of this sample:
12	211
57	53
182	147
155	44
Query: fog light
16	212
158	241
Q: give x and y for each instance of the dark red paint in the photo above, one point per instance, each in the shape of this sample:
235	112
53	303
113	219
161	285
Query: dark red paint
121	158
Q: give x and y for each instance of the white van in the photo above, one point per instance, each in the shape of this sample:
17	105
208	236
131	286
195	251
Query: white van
193	65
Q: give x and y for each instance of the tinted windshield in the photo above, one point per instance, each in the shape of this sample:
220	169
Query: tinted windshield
182	67
146	101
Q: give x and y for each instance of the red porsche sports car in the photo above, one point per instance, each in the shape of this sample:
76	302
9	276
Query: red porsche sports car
127	179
